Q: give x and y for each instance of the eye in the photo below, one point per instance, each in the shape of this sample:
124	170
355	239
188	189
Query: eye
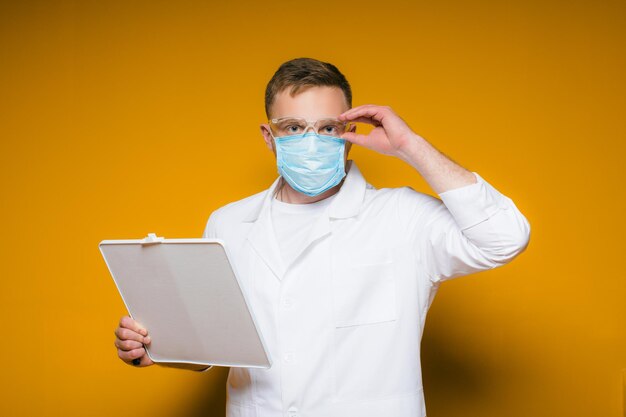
330	129
289	127
292	129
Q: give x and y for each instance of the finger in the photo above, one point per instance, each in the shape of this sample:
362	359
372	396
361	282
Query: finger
355	138
368	120
126	334
141	362
356	109
127	344
133	325
146	361
377	113
129	355
369	110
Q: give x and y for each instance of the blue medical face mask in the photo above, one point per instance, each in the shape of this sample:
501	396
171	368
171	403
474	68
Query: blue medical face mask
310	163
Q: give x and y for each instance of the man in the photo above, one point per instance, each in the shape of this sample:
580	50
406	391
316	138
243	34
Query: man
340	275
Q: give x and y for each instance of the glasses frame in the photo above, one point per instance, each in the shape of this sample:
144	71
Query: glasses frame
309	123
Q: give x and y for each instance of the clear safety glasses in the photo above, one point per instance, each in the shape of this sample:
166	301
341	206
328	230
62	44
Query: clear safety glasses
330	126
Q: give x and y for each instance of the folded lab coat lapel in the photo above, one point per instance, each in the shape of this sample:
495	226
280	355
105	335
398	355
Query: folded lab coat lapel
262	237
346	204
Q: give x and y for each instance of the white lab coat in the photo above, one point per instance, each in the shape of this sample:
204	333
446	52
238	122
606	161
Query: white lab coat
343	322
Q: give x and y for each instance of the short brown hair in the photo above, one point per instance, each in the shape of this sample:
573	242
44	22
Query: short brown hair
301	73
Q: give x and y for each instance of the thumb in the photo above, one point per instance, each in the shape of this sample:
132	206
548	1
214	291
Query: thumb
354	138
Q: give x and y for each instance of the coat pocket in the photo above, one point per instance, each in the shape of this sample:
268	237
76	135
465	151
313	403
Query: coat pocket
364	293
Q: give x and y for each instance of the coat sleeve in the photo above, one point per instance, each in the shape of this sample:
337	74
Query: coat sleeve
210	230
470	229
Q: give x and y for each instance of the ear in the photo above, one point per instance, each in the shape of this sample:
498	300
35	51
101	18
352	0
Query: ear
267	137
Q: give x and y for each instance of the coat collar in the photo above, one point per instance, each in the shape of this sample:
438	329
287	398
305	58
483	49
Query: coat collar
346	204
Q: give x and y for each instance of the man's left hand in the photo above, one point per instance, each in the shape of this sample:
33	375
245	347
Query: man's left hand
390	136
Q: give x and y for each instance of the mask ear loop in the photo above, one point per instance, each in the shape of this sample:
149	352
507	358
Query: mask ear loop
279	189
272	135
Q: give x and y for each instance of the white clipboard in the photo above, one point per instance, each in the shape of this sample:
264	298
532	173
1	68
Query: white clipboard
187	294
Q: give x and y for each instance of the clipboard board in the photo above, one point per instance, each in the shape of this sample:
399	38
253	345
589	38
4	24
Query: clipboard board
188	295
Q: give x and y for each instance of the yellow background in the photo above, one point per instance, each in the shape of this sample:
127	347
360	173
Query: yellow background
119	118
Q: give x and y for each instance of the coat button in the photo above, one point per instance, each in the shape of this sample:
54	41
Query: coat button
293	412
288	357
287	303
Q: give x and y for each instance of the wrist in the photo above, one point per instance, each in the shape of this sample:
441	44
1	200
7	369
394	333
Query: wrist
413	149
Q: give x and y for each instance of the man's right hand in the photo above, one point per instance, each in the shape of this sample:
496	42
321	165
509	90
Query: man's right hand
129	340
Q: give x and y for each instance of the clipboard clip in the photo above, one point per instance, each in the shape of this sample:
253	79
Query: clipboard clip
151	239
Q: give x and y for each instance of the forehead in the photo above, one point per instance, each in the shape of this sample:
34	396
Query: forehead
310	102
